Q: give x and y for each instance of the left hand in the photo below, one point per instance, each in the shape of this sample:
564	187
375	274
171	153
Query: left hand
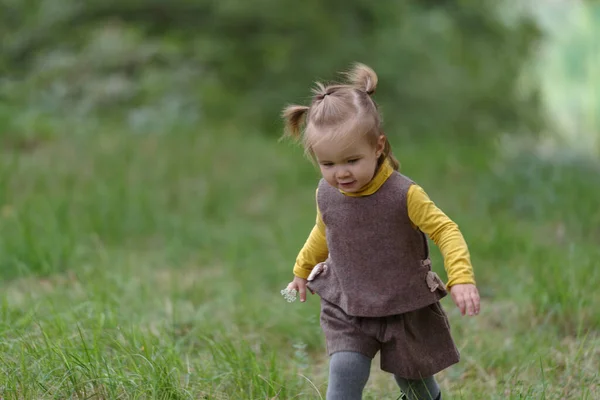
466	298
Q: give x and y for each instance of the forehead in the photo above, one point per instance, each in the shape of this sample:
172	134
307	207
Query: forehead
332	149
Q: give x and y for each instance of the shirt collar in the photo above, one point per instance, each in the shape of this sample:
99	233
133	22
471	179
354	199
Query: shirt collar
382	174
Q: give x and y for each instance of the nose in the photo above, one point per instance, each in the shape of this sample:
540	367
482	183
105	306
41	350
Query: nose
342	173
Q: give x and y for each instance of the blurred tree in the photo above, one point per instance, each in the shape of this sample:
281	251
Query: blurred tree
449	66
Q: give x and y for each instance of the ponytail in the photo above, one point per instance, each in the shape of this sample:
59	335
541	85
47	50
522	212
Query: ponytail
387	154
363	78
294	117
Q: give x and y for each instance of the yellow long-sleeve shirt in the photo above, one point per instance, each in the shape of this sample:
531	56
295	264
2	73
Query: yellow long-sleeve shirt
424	215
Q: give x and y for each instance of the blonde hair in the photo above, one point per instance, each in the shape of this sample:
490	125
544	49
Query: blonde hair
341	110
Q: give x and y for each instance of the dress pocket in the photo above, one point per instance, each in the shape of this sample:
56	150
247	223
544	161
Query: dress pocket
435	283
436	308
432	279
316	271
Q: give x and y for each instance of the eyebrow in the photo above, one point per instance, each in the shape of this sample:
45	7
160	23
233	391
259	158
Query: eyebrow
345	158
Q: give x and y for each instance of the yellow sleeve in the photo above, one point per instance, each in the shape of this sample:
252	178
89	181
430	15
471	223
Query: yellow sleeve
314	251
444	232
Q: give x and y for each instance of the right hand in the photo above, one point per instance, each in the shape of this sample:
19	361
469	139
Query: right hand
300	285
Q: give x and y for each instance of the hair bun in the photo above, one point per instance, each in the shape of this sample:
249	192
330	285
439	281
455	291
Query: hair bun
363	78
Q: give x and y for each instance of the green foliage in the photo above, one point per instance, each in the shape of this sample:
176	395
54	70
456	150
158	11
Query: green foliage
569	73
449	65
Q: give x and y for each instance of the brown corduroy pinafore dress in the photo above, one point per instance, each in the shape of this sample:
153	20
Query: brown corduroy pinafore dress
377	290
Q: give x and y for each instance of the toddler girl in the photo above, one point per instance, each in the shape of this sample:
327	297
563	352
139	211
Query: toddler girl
367	256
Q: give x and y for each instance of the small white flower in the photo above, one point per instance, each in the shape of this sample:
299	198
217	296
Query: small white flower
289	294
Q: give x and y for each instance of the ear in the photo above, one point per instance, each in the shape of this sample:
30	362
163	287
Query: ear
381	140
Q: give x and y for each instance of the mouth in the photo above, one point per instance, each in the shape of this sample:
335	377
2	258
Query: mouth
346	184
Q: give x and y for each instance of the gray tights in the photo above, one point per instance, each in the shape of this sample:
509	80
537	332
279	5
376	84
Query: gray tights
349	373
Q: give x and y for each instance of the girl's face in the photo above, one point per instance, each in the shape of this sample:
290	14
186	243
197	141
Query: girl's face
348	166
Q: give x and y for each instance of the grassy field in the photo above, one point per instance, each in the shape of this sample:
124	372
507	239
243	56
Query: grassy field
149	266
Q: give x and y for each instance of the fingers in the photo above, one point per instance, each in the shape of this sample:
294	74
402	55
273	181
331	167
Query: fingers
476	301
458	300
462	304
466	299
302	290
300	286
472	301
469	303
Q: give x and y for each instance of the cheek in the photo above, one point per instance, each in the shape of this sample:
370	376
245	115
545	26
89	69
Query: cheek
365	173
327	173
366	169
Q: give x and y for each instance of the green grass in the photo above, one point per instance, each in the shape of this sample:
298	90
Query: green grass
149	266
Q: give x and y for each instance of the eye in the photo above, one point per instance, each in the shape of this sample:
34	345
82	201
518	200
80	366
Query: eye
327	164
353	160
